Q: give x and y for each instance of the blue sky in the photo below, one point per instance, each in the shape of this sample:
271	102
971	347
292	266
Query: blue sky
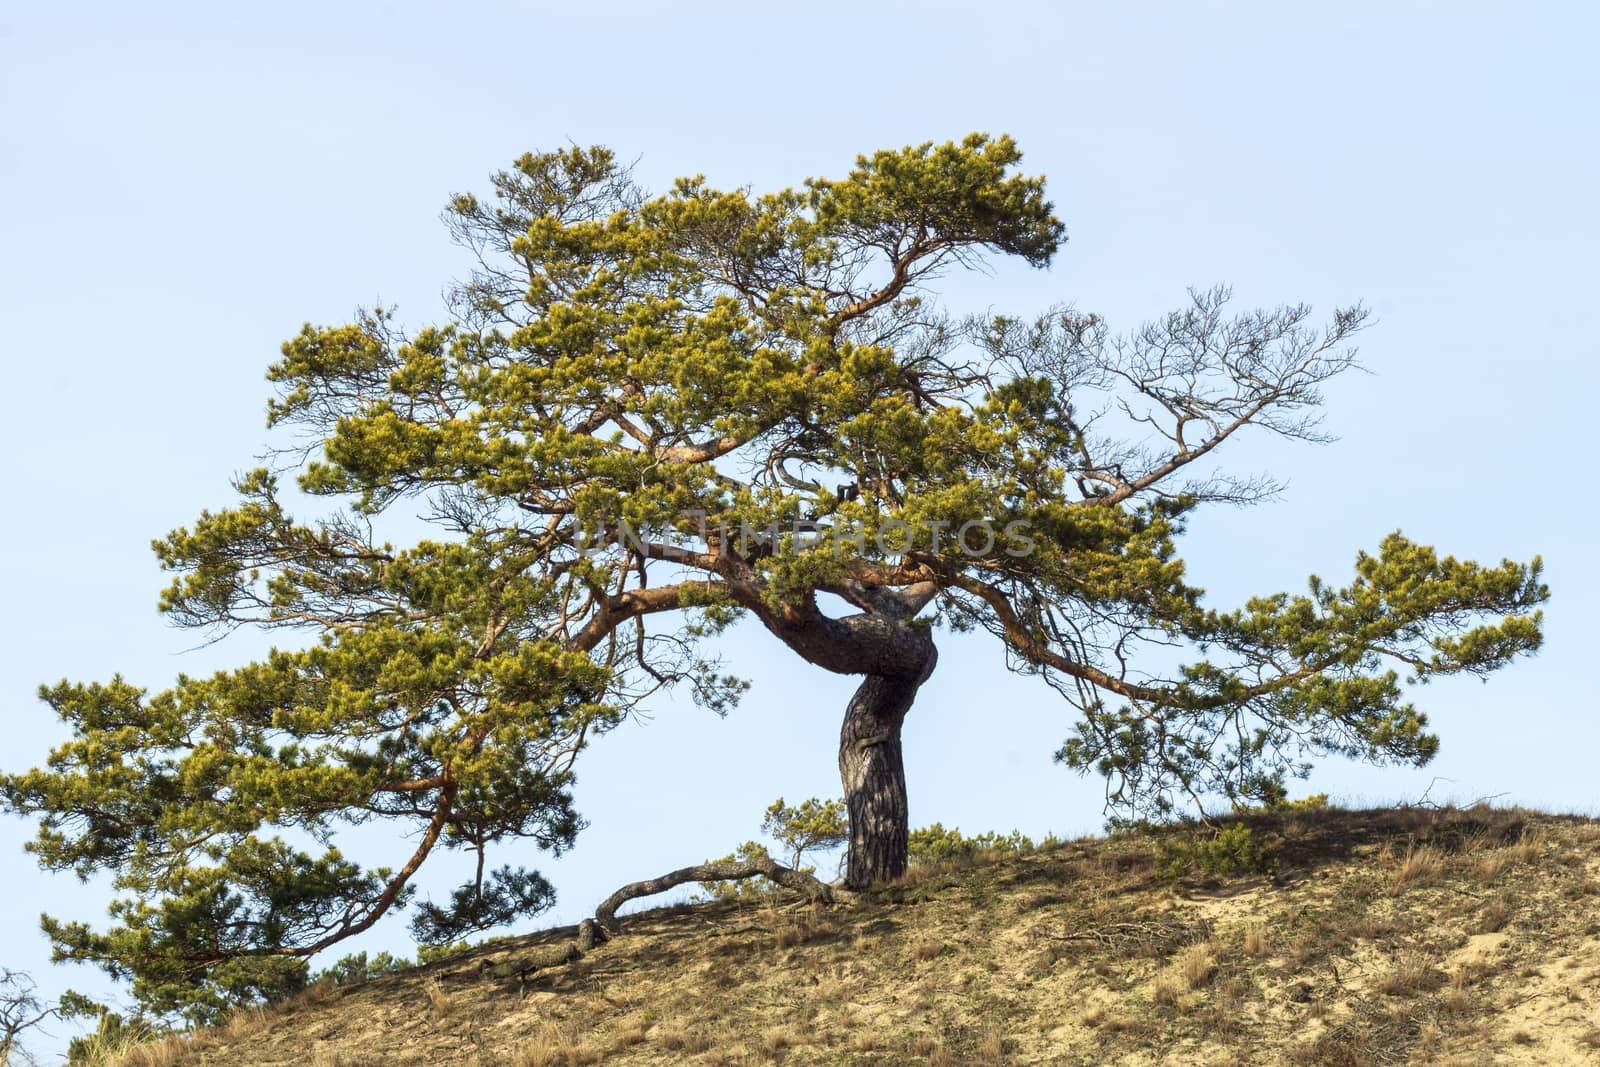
182	187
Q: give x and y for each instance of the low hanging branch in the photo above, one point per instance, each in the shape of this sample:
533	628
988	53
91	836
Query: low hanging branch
723	871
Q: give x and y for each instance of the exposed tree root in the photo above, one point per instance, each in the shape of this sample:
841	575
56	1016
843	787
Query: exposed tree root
592	932
728	870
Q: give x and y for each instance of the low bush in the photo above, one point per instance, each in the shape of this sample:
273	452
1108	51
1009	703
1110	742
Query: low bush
1235	849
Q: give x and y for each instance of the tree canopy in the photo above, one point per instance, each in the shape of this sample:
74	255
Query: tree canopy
645	418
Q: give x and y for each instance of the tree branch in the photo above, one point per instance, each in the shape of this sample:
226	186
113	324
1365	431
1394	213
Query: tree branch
728	870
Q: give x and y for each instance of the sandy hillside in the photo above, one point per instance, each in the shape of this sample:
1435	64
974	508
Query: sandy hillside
1415	936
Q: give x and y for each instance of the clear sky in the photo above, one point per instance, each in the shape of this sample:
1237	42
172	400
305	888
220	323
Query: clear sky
181	186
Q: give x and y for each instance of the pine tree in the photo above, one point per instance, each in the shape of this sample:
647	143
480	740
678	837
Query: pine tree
648	417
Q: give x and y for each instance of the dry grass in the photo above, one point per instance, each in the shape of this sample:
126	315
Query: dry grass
1527	847
776	1040
334	1058
790	936
1227	1002
1457	1002
1420	866
1074	955
1195	965
863	1041
1490	866
1409	975
555	1046
679	1038
633	1031
1255	940
246	1023
1372	926
1302	950
440	1002
1459	997
167	1052
1492	917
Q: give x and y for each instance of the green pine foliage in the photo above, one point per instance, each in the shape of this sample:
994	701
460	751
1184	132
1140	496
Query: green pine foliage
813	825
753	888
624	390
816	825
358	967
934	844
1233	849
113	1035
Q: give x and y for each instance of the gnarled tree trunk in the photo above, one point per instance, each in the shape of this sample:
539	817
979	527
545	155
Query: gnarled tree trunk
874	775
886	644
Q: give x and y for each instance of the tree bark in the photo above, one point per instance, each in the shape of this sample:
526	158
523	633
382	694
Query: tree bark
874	774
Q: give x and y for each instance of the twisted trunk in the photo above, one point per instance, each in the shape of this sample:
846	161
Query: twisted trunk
874	774
895	652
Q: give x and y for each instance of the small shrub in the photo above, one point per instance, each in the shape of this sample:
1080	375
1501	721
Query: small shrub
934	844
427	954
811	826
359	967
753	888
1233	850
1305	805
